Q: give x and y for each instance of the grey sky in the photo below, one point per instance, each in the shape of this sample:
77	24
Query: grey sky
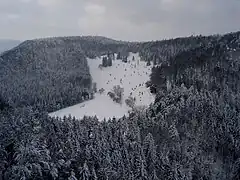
119	19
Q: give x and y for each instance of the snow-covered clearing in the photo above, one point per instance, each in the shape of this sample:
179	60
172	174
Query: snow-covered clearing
132	76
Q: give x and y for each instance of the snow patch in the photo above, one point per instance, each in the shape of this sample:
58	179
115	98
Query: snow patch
132	76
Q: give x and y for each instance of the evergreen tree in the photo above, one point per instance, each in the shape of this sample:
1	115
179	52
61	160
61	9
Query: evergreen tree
153	176
113	56
91	95
140	165
150	153
104	62
85	173
93	174
124	59
3	104
155	60
148	62
94	87
109	61
72	176
119	55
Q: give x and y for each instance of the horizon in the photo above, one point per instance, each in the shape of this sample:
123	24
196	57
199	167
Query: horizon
49	37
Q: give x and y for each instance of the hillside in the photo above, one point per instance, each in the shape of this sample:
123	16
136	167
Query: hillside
191	130
46	74
94	46
195	117
214	66
51	73
131	76
164	50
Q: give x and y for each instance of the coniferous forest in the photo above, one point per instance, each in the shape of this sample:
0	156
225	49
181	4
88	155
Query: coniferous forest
191	131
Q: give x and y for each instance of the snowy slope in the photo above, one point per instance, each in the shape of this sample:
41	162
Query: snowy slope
133	74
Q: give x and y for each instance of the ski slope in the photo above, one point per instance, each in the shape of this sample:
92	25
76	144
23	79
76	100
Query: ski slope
132	76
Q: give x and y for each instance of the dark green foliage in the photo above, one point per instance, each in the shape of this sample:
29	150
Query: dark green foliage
47	75
130	102
196	132
213	67
93	46
50	74
118	56
155	60
124	53
195	123
166	49
3	105
148	62
113	56
48	148
105	62
94	88
124	59
109	61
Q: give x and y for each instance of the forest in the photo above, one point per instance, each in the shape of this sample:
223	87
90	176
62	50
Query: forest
191	131
50	74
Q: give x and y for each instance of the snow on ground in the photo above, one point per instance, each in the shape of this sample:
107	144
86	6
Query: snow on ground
132	76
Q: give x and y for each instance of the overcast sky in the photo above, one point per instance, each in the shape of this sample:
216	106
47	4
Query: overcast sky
119	19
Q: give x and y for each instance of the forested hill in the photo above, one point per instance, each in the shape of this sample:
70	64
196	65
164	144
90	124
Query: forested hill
93	46
214	66
191	131
162	51
51	73
195	117
43	74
